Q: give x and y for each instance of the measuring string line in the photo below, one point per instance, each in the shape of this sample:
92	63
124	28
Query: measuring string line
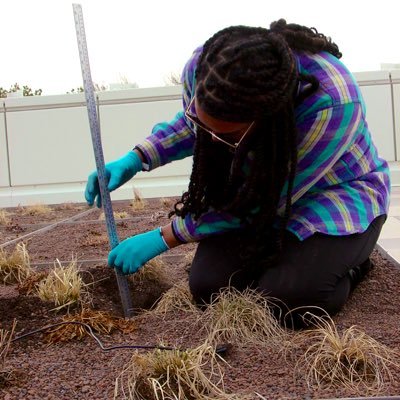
47	228
89	330
87	221
220	349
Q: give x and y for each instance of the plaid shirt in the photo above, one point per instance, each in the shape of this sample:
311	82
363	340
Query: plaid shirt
341	183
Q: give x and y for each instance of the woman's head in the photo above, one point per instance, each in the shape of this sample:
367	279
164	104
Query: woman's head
245	73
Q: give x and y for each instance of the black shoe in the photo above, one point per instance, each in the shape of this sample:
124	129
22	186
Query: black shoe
358	273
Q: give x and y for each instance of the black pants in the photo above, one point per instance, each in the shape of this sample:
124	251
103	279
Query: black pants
313	272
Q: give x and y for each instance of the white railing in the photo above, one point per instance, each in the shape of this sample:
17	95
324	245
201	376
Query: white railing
46	151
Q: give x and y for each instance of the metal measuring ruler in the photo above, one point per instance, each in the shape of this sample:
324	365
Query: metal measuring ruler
98	152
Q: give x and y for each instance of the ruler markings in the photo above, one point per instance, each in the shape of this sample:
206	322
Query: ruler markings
98	152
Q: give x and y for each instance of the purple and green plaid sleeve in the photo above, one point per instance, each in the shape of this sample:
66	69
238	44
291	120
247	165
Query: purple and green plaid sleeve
174	140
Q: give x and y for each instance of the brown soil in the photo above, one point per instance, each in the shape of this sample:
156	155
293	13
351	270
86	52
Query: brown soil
82	370
20	222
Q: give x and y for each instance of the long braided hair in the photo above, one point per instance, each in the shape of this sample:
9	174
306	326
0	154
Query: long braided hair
247	74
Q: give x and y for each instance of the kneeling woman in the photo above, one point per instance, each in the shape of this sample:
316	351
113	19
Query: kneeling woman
287	193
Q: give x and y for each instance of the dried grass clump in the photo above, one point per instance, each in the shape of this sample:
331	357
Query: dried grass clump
4	217
6	374
167	202
68	206
152	271
36	209
117	215
30	284
350	359
15	267
178	297
100	322
188	260
94	238
172	374
242	317
63	286
138	203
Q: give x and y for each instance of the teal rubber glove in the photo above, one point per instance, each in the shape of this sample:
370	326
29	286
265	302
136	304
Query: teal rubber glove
132	253
117	173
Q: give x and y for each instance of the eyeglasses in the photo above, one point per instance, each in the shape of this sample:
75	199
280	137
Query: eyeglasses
197	123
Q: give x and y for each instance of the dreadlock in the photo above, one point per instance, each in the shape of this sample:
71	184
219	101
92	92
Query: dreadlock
302	38
247	74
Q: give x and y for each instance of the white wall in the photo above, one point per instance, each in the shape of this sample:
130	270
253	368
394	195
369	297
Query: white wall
376	90
4	181
50	152
395	167
50	147
396	112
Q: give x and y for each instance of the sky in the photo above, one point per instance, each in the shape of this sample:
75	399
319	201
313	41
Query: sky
145	41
